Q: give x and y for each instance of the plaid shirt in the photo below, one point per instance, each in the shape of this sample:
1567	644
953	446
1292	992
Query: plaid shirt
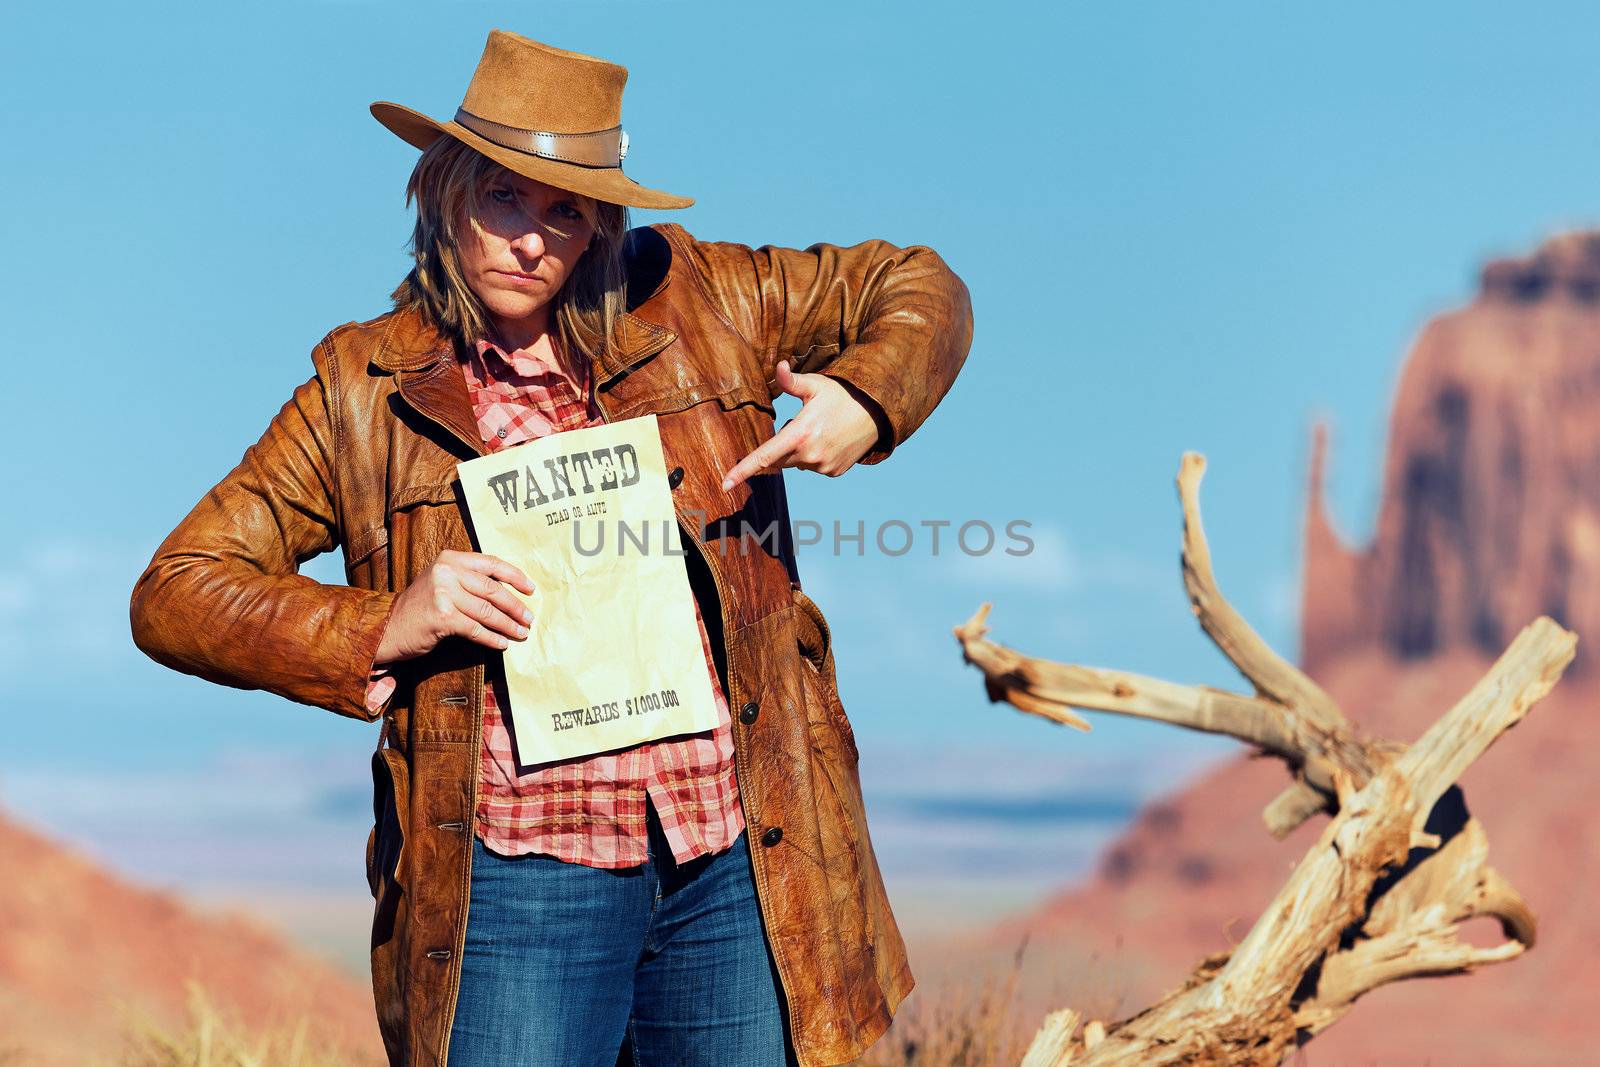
588	810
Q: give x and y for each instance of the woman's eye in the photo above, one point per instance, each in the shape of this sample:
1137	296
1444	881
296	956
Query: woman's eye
496	195
571	211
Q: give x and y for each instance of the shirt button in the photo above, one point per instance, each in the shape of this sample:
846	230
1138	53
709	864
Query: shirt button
773	835
748	713
675	478
501	432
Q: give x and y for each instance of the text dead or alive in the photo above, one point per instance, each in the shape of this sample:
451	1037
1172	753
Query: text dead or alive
613	468
598	713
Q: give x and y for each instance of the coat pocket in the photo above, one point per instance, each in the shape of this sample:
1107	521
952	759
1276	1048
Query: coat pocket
391	779
815	642
366	561
723	369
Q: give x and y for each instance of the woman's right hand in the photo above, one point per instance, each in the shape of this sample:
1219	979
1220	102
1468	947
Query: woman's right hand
459	594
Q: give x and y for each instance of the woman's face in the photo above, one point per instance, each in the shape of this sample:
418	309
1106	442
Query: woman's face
528	238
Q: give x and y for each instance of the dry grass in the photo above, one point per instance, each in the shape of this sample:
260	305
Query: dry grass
965	1028
962	1027
210	1039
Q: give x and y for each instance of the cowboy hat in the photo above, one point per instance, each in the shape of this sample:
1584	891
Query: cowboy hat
544	113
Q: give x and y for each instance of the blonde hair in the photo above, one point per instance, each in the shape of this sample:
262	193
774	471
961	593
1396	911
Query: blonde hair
451	176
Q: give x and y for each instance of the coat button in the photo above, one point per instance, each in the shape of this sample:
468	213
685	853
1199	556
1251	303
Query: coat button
773	835
675	477
748	713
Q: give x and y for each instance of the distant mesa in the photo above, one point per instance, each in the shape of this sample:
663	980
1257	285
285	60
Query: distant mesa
83	954
1565	267
1490	507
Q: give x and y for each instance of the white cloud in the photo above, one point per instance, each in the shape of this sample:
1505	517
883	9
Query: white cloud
1033	557
1061	592
65	602
238	787
1053	564
255	817
1281	601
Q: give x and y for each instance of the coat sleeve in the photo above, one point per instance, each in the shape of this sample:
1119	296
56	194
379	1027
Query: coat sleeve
222	598
892	323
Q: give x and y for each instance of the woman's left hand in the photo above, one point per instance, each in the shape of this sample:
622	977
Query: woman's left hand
831	432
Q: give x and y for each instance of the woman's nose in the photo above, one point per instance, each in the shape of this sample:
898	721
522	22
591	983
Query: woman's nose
530	244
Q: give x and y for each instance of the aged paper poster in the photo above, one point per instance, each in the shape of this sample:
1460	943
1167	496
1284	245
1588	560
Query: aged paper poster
613	656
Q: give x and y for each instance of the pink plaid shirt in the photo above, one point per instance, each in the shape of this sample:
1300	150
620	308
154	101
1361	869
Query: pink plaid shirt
588	810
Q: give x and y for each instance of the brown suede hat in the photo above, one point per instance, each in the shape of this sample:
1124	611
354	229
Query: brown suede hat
545	113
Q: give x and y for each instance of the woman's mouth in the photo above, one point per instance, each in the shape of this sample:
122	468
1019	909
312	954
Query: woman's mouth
519	278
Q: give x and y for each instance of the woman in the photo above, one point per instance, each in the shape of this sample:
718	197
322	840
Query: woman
708	898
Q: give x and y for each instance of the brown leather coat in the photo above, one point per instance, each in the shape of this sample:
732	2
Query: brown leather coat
362	457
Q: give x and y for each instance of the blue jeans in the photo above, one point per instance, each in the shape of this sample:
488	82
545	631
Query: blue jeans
572	966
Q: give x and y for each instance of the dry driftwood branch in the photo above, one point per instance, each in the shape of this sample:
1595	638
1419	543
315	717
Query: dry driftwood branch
1290	716
1272	675
1381	895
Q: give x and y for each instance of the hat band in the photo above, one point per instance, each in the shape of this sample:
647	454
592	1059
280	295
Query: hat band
601	148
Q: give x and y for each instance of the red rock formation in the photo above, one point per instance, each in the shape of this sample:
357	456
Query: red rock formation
1490	516
84	954
1491	490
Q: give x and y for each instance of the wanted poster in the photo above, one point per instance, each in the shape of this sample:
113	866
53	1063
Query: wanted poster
613	656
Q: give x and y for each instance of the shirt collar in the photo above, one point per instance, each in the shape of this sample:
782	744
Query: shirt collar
527	364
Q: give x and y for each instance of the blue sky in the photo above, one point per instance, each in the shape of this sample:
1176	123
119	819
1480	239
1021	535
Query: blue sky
1183	226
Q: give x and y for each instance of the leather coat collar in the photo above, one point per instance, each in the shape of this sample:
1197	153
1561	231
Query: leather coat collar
410	343
421	358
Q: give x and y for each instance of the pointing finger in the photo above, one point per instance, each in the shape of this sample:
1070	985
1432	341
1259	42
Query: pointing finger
764	457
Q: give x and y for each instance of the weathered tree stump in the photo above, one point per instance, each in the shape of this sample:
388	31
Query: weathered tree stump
1381	895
